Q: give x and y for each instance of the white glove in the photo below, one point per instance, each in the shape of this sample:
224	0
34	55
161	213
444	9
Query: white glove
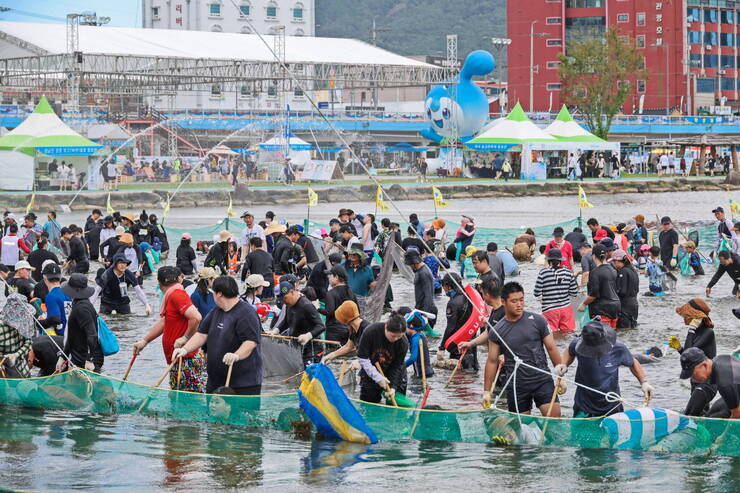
384	383
673	262
231	358
148	310
647	390
61	364
486	399
274	331
390	393
561	370
11	358
89	366
562	387
355	365
303	339
180	341
139	346
440	355
178	353
328	358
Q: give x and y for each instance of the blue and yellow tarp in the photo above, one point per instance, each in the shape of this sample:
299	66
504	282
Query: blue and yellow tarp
329	408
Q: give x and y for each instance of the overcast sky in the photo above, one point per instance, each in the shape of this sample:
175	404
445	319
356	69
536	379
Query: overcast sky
121	12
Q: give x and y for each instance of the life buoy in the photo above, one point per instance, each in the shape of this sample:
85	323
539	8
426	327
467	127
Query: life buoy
475	321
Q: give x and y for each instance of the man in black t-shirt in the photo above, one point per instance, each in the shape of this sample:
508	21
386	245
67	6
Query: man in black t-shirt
668	240
527	336
232	331
602	299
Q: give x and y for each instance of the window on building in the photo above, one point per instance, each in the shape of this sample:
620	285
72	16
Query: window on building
297	92
584	4
727	84
640	18
710	61
642	63
216	90
244	10
727	61
554	42
298	11
640	41
584	27
623	17
726	39
214	9
705	85
244	91
710	38
640	86
693	15
710	15
155	13
553	64
271	11
695	37
554	20
695	60
727	16
553	86
272	90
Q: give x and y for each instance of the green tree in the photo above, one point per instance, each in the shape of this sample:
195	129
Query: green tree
597	74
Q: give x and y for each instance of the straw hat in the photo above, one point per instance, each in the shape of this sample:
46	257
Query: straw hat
126	238
275	227
129	216
207	273
224	235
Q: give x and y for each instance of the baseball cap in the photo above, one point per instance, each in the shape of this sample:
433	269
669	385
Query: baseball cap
52	272
717	209
619	254
246	213
608	243
187	236
558	231
285	287
599	250
167	275
690	358
665	220
256	280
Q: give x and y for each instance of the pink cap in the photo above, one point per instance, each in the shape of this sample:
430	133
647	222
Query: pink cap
644	247
619	255
186	236
323	232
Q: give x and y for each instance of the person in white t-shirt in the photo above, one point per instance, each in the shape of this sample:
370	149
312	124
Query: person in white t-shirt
251	230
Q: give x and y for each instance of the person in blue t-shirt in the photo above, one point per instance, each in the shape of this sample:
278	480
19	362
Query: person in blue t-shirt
58	304
202	297
599	358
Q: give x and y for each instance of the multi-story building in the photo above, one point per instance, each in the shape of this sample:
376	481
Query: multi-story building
690	49
237	16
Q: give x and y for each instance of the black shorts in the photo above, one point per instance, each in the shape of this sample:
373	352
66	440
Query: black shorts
106	309
540	392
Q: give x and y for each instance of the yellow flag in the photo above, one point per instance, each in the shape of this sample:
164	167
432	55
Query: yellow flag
734	206
32	202
109	208
166	210
380	201
313	198
439	201
583	202
230	210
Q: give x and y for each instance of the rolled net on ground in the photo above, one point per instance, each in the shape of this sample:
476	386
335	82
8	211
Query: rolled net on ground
89	392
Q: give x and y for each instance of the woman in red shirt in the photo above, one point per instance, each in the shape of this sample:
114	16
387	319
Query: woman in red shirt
566	249
179	319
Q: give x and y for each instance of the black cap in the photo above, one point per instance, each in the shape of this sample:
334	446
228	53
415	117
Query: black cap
293	230
554	254
270	214
599	250
412	257
558	231
665	220
285	287
608	243
689	359
167	275
339	272
52	272
717	209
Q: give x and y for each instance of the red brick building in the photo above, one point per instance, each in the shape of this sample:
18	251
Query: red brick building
706	33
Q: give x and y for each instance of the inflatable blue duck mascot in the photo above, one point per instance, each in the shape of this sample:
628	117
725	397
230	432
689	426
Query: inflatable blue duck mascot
462	110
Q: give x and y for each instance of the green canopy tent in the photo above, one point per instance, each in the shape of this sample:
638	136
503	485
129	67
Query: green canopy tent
41	135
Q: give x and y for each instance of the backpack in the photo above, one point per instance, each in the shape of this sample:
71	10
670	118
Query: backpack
108	341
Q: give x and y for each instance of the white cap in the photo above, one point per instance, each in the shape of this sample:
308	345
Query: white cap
23	265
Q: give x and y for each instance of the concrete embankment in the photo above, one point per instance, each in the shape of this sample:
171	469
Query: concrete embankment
245	196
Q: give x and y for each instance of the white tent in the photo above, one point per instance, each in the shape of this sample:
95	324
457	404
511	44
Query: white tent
107	132
571	136
299	151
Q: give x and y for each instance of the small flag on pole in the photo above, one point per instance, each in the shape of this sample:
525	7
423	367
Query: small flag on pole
32	202
109	208
313	197
166	210
583	202
380	200
230	210
439	201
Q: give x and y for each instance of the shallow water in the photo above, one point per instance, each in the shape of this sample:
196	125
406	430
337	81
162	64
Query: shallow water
50	451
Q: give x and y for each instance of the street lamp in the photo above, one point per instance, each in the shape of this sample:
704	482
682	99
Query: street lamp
500	44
